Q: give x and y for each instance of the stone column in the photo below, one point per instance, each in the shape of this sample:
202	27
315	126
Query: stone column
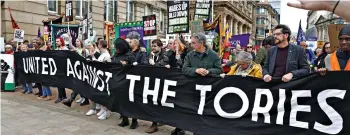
231	25
235	30
240	28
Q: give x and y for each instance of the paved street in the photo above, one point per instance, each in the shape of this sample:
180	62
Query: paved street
25	115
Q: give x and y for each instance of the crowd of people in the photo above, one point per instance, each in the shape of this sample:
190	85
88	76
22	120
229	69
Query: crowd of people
276	59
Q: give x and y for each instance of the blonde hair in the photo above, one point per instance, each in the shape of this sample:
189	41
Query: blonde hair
135	40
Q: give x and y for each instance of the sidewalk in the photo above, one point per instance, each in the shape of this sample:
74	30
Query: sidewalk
26	115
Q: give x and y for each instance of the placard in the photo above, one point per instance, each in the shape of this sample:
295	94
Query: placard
333	32
18	35
69	11
202	9
149	25
197	26
178	16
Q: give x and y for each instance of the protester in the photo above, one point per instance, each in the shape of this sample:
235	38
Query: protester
40	45
104	57
61	91
26	85
171	53
245	66
319	62
44	91
9	49
91	56
141	57
339	60
194	61
226	57
126	57
249	49
157	58
197	63
318	52
182	52
267	43
285	60
309	54
238	48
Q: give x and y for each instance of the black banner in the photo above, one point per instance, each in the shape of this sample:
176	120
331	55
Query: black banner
149	25
69	11
178	16
205	105
202	9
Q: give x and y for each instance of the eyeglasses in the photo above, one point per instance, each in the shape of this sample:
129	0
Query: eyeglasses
327	47
249	47
277	34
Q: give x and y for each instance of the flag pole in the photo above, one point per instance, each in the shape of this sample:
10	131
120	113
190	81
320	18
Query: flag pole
212	10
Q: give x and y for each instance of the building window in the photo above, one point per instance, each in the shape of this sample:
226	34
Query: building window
81	8
161	20
52	6
109	10
260	32
260	11
260	21
129	11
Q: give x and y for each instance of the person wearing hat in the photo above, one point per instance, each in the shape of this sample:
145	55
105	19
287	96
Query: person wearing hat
339	60
8	49
267	43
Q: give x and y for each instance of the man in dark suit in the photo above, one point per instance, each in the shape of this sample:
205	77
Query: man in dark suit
285	60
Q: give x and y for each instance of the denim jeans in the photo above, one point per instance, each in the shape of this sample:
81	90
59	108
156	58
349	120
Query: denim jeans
27	87
46	91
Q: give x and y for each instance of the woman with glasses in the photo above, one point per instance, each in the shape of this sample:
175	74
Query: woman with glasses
245	66
319	62
249	49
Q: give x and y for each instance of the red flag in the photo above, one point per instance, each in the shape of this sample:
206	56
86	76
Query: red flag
14	24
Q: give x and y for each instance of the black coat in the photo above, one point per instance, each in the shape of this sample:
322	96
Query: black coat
160	60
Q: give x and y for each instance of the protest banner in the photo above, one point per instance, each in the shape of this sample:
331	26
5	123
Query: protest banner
202	9
178	16
333	32
242	40
110	34
310	105
132	30
7	72
18	35
62	31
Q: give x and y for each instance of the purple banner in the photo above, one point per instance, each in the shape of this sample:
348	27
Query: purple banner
242	40
133	32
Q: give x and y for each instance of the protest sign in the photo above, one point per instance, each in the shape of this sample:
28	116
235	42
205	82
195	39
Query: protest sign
333	32
18	35
69	11
197	26
178	16
202	9
311	105
149	25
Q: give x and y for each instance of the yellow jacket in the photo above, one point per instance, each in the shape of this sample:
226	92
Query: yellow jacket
255	71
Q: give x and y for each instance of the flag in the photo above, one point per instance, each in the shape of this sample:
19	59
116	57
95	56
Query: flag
14	24
216	27
301	34
39	33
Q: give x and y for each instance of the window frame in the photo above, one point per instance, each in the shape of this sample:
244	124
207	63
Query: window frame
81	16
56	8
129	12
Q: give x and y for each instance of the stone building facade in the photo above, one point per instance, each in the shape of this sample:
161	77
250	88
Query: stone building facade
29	14
266	19
238	15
